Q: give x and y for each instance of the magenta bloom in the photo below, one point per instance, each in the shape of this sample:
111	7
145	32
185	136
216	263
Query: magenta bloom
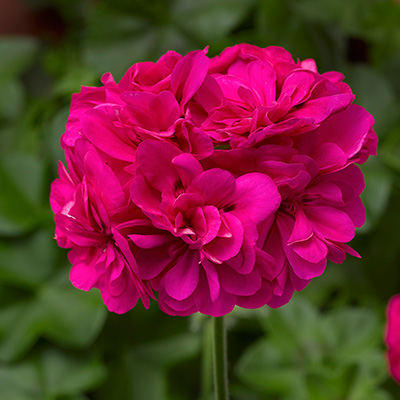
392	336
89	205
209	183
317	216
201	256
252	94
150	102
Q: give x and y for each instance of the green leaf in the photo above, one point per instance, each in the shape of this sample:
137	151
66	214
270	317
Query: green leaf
20	382
20	327
16	53
209	20
68	375
265	368
50	375
116	41
119	56
295	326
146	381
63	314
382	29
28	262
376	195
390	149
73	317
75	397
27	173
170	351
352	332
12	98
54	130
375	93
278	25
16	214
316	356
72	81
349	16
106	25
365	387
21	177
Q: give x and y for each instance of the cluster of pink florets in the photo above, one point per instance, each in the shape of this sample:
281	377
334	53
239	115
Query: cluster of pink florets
211	182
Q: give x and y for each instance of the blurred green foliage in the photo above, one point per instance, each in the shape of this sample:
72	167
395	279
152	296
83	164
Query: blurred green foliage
57	343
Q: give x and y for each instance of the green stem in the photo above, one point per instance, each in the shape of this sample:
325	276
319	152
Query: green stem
207	360
220	360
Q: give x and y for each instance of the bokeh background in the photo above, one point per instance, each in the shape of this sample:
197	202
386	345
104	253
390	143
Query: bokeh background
58	343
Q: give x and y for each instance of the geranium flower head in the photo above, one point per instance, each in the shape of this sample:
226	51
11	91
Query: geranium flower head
211	182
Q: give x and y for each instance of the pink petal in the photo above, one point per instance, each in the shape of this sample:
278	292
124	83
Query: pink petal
104	182
215	186
331	223
256	300
181	280
244	261
321	108
224	248
393	327
263	80
155	160
151	241
327	191
209	94
313	250
309	64
256	197
222	305
165	110
278	300
297	86
352	176
125	300
186	201
140	100
188	165
118	275
213	223
193	140
337	252
83	275
392	336
171	306
302	229
356	211
212	278
349	129
303	269
152	262
329	156
77	233
145	196
270	265
238	284
188	75
106	137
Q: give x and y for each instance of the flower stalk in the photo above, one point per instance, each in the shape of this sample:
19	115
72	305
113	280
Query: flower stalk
219	349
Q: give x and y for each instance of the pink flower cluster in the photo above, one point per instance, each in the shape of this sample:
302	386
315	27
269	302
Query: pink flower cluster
392	336
211	182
